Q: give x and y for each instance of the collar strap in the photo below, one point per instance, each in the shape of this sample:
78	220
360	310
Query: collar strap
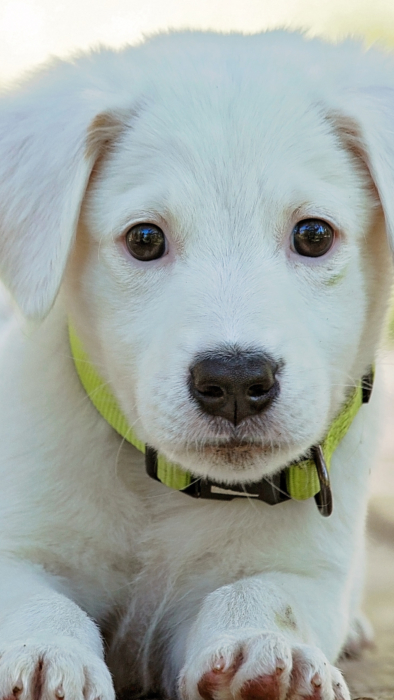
302	479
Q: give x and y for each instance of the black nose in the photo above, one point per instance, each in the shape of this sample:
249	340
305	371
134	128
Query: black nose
234	385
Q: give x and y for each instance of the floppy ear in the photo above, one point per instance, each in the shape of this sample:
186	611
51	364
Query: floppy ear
364	121
51	133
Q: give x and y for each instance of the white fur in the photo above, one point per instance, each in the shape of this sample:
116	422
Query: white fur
225	142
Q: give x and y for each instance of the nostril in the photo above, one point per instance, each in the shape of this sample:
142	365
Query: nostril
257	391
211	391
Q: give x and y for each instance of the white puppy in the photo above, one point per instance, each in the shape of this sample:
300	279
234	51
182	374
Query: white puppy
208	213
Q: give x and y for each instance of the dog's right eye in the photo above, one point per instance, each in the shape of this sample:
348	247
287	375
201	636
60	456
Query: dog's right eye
146	242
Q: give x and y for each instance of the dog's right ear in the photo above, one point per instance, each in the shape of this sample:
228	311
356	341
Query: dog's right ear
52	131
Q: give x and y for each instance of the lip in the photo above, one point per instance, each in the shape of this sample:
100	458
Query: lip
233	444
217	432
235	451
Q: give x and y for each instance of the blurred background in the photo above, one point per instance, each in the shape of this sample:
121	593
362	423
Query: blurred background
33	30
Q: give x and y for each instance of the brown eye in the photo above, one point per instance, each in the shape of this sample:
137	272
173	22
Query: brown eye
146	242
312	237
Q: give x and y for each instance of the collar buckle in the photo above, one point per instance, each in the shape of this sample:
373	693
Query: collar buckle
271	491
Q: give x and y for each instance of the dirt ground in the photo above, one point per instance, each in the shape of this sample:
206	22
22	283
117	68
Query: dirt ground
372	676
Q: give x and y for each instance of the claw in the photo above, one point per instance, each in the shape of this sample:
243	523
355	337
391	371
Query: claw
316	680
280	667
219	666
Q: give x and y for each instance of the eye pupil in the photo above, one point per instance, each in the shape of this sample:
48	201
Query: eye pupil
312	237
146	242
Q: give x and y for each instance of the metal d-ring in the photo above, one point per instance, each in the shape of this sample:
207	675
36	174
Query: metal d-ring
324	497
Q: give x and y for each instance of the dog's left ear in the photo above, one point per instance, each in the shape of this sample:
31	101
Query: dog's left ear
51	134
364	122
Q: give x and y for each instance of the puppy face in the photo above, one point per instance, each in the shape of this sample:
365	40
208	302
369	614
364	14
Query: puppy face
226	168
232	347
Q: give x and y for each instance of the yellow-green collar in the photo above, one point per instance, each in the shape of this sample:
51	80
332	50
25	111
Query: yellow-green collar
300	480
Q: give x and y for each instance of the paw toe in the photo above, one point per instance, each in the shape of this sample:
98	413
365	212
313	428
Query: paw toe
214	683
267	687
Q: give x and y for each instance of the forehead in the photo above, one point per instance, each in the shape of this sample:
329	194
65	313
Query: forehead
229	131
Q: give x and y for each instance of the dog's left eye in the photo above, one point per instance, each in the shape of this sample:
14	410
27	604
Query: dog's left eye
312	237
145	242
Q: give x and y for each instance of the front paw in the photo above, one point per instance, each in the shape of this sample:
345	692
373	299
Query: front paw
61	668
256	665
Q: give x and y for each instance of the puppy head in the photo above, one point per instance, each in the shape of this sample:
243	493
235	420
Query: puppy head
227	330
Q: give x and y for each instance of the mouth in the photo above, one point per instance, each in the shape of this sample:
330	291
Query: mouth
235	452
